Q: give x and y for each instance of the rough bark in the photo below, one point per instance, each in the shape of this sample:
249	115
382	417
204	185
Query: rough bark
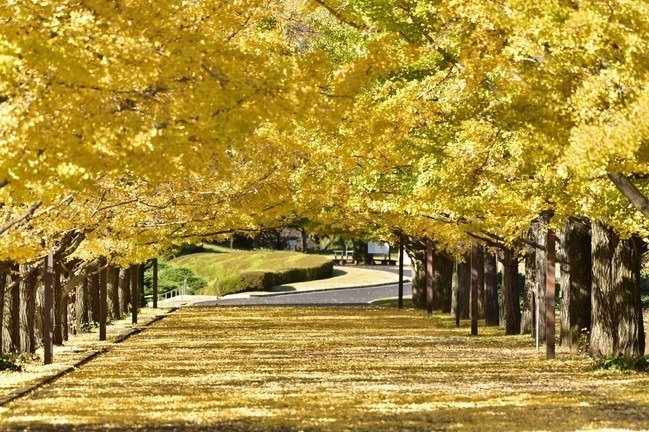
27	311
93	297
616	316
442	275
511	302
12	317
575	259
529	303
82	306
3	283
113	293
481	281
631	192
442	281
39	312
539	233
464	292
140	282
418	266
492	313
124	290
60	306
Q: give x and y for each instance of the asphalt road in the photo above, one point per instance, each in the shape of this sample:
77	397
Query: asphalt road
341	296
361	296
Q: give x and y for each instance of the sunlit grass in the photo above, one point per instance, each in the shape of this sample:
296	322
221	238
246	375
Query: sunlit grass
218	267
331	369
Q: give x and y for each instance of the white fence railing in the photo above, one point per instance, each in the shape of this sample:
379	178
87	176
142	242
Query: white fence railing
178	292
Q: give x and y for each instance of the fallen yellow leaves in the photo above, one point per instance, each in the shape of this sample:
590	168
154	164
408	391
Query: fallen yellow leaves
330	369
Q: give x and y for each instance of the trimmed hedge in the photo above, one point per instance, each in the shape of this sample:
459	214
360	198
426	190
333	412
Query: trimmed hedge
263	281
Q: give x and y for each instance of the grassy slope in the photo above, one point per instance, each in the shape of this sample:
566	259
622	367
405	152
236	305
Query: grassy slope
215	266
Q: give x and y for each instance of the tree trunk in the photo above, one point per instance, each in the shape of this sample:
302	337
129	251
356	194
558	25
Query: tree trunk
574	254
305	239
529	303
60	305
27	312
3	283
481	281
82	306
442	282
511	301
539	234
418	277
124	290
140	285
93	297
12	317
616	316
464	291
134	272
492	315
39	312
113	293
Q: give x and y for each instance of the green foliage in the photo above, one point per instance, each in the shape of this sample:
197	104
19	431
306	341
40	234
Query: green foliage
644	286
265	280
639	364
171	277
187	249
341	43
11	362
89	326
249	281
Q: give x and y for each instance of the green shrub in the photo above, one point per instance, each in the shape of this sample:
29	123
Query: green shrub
265	280
644	286
171	277
11	362
638	363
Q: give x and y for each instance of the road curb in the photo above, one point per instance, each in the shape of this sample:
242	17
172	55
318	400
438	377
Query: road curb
42	382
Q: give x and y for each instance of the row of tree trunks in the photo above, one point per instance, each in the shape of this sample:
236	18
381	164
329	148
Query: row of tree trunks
445	279
74	289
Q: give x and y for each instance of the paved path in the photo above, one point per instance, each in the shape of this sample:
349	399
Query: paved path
349	286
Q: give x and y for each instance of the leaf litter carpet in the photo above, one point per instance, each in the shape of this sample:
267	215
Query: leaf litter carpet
330	369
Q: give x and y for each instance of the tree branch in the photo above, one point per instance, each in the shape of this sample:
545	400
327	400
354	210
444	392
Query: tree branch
25	216
631	192
340	17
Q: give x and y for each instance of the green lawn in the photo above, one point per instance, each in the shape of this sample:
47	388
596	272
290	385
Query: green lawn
227	272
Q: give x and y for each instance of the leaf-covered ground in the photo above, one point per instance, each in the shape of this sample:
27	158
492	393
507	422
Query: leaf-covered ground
330	369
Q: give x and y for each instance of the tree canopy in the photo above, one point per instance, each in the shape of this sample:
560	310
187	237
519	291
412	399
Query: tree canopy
127	126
